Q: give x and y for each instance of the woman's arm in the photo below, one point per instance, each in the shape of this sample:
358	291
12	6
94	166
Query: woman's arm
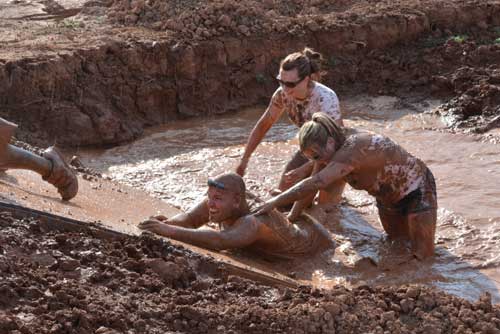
307	187
270	116
305	202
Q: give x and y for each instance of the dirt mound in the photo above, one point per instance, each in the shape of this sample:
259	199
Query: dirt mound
82	282
203	20
476	105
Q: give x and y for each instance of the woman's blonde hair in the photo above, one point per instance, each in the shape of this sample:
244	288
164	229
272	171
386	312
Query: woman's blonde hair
318	130
307	62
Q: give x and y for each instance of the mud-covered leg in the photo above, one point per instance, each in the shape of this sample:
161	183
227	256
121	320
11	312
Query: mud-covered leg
422	231
12	157
394	224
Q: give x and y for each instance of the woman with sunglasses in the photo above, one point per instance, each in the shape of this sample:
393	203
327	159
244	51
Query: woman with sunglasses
299	96
402	185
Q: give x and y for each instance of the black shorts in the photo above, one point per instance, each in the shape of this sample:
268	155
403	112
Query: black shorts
422	199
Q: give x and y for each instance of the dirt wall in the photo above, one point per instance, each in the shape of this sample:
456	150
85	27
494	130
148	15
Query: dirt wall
108	94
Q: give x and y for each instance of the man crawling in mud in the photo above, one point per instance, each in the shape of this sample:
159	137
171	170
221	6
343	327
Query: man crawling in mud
270	235
403	186
51	165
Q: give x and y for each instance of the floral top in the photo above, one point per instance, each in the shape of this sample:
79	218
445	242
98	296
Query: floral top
321	99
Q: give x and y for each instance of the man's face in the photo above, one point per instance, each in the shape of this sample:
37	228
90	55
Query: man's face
221	204
292	84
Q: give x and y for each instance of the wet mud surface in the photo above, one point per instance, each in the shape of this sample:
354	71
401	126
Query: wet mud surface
67	282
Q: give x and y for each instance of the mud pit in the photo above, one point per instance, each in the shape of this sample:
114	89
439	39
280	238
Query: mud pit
101	72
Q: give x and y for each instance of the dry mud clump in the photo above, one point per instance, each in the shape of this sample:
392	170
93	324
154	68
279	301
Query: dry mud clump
88	281
202	20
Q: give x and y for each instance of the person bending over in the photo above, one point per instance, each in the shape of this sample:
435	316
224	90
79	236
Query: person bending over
51	165
299	96
270	235
403	186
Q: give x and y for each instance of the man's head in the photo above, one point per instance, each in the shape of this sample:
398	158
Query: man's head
226	197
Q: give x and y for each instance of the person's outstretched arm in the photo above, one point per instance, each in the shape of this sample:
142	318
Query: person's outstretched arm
193	218
270	116
307	187
243	233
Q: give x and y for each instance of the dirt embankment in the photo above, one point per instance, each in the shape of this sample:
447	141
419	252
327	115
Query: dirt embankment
92	282
217	57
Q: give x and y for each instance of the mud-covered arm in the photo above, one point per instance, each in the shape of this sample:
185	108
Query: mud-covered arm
266	121
308	187
243	233
193	218
306	201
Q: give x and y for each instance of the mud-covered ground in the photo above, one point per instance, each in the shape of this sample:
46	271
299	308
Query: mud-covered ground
91	282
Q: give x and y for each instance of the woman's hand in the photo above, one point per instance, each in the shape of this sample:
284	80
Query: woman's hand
264	208
240	170
294	176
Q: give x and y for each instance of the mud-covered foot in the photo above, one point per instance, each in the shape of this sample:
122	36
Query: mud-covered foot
61	176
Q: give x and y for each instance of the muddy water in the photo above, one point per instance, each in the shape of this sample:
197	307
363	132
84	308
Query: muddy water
174	161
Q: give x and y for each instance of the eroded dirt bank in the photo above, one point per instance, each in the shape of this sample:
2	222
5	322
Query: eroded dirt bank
89	80
78	282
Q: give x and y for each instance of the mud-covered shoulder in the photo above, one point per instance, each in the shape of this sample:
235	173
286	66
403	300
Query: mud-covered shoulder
353	147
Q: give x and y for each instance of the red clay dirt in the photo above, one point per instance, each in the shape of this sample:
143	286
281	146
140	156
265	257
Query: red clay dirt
118	208
85	282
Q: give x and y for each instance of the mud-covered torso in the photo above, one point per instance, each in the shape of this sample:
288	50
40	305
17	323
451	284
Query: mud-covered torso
381	167
320	99
280	239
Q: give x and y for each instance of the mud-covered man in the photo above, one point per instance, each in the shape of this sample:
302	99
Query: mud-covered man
51	165
271	235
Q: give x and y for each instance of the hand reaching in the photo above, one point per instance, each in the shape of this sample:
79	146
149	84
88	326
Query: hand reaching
264	208
155	226
240	170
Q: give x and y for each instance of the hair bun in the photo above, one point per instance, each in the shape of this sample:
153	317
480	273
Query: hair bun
311	54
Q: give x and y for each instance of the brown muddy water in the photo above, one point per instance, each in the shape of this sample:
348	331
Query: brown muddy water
172	162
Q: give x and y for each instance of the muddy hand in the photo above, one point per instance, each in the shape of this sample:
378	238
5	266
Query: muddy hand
265	208
291	177
240	170
161	218
151	225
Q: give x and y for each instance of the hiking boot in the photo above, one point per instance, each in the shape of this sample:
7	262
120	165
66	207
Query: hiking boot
61	176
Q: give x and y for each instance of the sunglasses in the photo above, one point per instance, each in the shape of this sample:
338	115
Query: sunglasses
289	84
216	184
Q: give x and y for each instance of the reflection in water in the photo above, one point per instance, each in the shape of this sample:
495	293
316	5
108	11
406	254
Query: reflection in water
174	161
